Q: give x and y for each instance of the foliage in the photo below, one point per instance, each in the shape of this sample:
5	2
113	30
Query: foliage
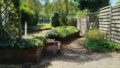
28	16
82	14
63	33
22	43
11	20
16	3
92	5
30	11
72	21
55	20
63	7
118	2
95	41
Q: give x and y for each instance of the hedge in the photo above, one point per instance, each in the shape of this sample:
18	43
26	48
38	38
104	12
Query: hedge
63	33
55	20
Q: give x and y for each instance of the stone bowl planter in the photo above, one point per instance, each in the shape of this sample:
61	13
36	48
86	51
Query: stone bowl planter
20	55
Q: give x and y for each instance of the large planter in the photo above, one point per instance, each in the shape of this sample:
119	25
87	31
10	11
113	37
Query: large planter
20	55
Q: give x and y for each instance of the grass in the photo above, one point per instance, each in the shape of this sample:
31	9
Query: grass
45	26
40	27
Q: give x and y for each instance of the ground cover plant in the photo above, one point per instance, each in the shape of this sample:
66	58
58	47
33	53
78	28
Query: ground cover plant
95	41
22	43
63	33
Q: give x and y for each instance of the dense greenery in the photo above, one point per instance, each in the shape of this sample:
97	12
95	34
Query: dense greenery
22	43
72	21
28	16
63	33
92	5
55	20
30	11
65	8
82	14
95	41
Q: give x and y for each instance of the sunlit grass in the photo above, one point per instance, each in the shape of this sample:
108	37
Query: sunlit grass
45	26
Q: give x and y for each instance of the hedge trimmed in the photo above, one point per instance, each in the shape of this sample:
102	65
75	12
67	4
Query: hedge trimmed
63	33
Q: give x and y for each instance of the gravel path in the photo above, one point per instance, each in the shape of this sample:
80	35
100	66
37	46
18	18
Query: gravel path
75	56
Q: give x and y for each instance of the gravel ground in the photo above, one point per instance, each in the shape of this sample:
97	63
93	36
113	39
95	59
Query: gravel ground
75	56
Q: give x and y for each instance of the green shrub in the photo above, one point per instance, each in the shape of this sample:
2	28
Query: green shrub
63	33
72	21
95	41
55	20
22	43
27	15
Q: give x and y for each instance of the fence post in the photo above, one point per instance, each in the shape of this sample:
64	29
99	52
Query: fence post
110	27
25	30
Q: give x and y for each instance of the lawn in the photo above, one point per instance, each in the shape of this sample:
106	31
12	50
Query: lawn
45	26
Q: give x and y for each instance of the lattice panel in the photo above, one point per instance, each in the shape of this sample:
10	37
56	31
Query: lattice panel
10	18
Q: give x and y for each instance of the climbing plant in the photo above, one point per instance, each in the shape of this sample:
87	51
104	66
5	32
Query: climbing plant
10	19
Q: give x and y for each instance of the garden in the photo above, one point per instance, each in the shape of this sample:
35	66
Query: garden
35	33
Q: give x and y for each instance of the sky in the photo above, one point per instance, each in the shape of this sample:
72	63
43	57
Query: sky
111	1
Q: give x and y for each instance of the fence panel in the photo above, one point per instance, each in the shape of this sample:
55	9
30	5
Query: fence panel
109	22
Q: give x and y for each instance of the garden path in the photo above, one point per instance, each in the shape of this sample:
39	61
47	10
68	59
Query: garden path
37	34
76	56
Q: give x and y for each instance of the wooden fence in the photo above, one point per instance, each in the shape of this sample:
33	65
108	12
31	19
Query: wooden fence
109	22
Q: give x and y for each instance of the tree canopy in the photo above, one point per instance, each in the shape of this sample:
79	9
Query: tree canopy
118	2
92	5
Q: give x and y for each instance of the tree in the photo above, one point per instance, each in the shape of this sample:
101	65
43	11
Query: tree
118	2
63	7
55	20
92	5
30	11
